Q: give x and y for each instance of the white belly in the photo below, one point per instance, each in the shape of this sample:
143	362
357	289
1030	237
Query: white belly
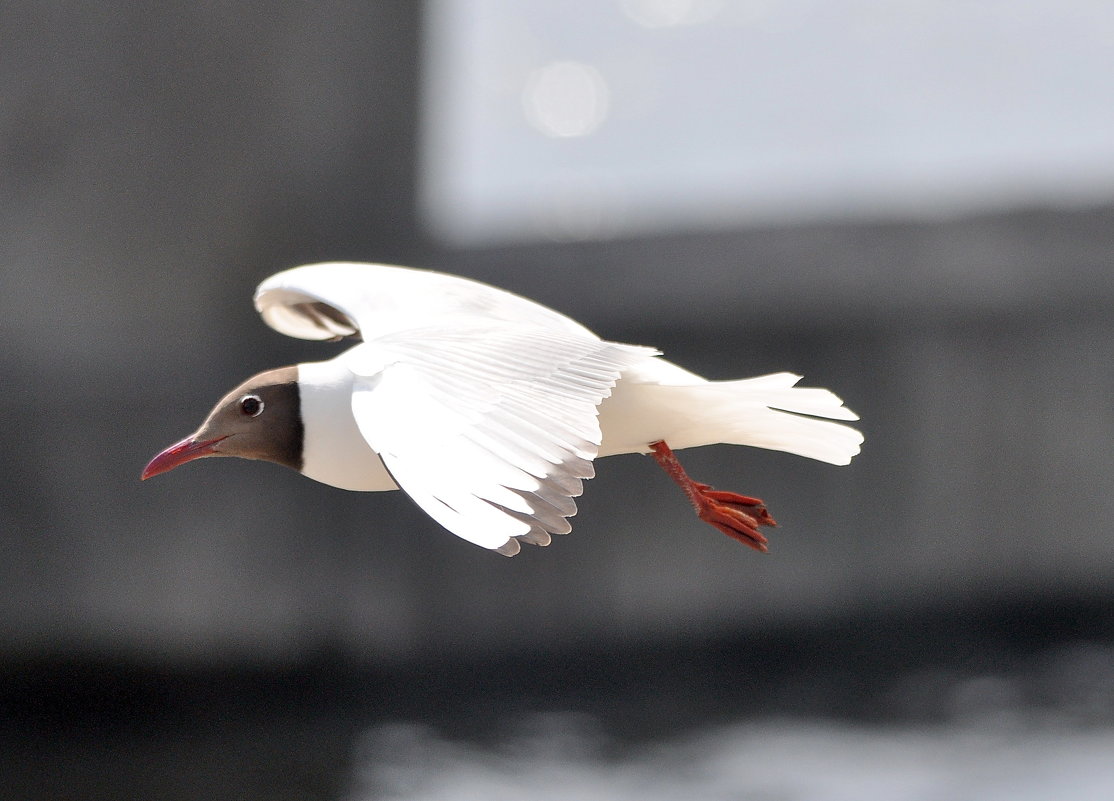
639	412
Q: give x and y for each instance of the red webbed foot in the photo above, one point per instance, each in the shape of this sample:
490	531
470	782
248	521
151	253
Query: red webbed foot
737	516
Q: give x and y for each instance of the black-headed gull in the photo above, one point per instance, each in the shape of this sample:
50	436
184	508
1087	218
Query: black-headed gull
488	409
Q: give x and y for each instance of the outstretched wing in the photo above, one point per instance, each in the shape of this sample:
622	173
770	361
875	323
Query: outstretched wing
490	429
341	299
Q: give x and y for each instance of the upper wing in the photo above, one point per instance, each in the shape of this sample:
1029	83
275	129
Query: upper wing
339	299
489	429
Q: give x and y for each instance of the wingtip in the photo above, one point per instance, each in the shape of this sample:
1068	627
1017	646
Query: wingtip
535	536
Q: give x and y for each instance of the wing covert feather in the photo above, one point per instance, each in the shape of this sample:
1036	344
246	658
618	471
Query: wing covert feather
490	429
339	299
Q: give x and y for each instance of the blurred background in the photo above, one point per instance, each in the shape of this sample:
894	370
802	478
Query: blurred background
911	203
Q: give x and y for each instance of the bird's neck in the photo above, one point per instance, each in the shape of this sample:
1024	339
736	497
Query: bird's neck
333	451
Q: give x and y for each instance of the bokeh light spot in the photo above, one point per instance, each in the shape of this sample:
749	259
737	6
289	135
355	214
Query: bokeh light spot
566	99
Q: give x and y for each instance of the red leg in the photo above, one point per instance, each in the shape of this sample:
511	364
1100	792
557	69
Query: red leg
737	516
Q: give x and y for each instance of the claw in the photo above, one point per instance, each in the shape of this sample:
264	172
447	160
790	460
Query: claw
733	522
751	507
737	516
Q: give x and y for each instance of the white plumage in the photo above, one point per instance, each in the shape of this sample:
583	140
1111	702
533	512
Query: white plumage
488	409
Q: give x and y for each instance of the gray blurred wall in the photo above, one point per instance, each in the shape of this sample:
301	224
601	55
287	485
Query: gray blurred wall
156	163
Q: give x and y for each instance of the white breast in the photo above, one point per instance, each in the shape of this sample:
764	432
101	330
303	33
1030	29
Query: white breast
333	450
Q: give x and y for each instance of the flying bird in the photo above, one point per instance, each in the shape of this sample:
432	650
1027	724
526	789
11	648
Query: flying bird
489	409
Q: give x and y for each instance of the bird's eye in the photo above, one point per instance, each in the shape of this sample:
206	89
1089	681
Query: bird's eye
251	405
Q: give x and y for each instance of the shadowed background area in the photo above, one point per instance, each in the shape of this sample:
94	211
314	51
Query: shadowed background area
912	208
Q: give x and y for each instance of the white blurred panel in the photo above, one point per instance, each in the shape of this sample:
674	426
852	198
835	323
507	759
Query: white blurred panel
574	119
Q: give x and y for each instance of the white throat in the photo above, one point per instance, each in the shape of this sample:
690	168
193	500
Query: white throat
333	450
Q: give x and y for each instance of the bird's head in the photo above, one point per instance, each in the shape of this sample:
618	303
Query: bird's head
259	419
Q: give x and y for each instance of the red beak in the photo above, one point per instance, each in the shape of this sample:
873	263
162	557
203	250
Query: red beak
185	451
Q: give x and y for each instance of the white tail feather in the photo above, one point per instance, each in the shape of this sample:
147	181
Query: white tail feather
763	412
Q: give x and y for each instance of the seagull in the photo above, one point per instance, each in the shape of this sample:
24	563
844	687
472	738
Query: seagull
489	409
